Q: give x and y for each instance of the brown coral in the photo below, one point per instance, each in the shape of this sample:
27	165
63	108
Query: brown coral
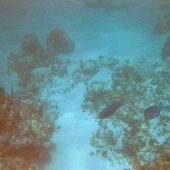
30	44
25	133
59	42
162	163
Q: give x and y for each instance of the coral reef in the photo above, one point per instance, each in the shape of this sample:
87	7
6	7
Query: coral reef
59	42
89	68
26	122
166	49
136	138
31	45
33	56
163	26
98	96
105	147
85	71
162	163
25	133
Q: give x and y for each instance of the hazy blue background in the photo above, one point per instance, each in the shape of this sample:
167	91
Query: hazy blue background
126	34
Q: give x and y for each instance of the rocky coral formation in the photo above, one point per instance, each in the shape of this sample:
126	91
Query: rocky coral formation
162	163
166	49
108	139
137	138
97	95
33	56
88	69
59	42
26	122
163	26
31	45
25	133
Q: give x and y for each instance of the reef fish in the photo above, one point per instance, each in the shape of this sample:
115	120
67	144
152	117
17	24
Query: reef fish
153	111
109	110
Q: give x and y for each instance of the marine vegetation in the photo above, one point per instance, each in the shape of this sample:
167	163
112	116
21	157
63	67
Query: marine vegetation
134	137
33	56
25	133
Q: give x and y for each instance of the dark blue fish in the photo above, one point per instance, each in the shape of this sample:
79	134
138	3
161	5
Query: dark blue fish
109	110
153	111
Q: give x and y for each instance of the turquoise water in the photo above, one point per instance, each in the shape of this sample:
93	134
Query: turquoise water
98	52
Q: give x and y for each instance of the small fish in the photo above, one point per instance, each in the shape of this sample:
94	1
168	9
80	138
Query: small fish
109	110
153	111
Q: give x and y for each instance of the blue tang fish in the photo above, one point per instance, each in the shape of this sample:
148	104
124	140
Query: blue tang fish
153	111
109	110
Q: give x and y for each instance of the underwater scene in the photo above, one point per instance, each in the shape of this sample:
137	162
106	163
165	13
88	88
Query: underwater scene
84	85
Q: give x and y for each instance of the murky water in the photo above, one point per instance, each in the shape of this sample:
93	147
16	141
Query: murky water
77	57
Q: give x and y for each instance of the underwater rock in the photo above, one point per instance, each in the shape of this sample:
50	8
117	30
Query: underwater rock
30	44
153	111
59	42
166	49
163	26
109	110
